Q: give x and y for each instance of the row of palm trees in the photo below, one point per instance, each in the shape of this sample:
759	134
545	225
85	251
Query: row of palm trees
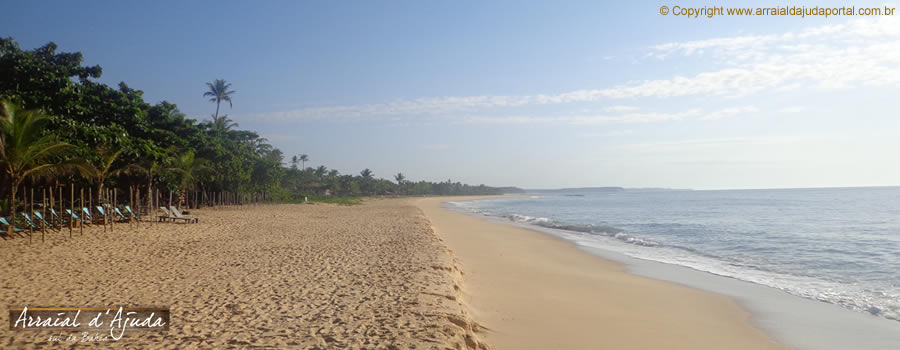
27	152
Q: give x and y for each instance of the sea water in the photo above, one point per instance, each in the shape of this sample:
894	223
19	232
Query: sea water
837	245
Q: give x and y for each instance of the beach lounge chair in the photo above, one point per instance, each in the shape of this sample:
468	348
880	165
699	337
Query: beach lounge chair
102	211
178	214
86	214
40	218
165	216
54	216
4	225
132	213
121	215
31	224
74	217
169	215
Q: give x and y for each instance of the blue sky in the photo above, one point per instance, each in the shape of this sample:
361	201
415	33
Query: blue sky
532	94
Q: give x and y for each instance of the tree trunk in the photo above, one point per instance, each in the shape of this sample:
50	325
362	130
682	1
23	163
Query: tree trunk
149	196
100	195
216	118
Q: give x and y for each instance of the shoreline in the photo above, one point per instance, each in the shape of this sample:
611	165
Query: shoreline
791	320
535	291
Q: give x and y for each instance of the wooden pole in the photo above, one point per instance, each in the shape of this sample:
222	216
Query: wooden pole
72	204
52	202
130	199
51	205
156	197
81	203
137	199
111	210
105	204
61	207
25	208
149	200
100	196
43	210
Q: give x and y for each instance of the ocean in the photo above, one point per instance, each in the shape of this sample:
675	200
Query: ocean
835	245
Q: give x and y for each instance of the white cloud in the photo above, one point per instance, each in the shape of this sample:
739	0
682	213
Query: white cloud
582	119
728	113
691	146
619	132
621	109
793	109
628	118
859	53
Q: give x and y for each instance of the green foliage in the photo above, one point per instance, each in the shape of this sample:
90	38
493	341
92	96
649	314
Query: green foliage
25	150
353	200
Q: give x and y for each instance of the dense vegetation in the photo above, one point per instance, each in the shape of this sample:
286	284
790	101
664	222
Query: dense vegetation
59	125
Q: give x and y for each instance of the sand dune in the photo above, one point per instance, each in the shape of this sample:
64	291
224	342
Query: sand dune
281	276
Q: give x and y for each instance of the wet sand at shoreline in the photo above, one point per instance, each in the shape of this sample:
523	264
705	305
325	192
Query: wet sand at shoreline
534	291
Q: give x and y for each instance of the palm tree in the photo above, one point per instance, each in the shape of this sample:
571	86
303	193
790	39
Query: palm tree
101	171
332	180
221	125
320	171
400	178
294	162
366	180
24	151
191	168
150	168
218	92
303	159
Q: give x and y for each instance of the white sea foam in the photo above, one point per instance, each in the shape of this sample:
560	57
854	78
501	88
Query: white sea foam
851	296
883	302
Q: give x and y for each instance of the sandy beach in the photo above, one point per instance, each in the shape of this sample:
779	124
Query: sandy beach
387	274
537	292
372	276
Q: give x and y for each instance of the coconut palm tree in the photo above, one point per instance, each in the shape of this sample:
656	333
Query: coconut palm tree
220	126
25	151
101	171
294	162
303	159
400	179
366	180
320	172
190	168
152	169
218	92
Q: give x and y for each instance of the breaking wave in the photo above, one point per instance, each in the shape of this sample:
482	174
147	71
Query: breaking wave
603	230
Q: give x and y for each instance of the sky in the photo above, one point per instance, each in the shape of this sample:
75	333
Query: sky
517	93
